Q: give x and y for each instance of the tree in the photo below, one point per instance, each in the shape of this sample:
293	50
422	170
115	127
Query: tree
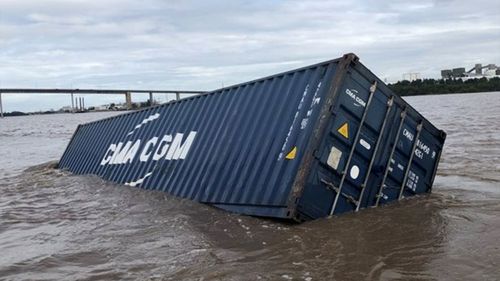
445	86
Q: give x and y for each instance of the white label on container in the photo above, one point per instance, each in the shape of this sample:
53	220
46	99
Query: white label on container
401	167
334	157
354	173
354	95
282	153
412	181
365	144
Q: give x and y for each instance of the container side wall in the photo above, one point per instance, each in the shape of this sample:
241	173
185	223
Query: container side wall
237	148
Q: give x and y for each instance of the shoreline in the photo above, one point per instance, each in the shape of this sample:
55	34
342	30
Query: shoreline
459	93
21	113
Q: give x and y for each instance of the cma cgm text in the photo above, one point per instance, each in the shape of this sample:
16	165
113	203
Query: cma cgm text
168	148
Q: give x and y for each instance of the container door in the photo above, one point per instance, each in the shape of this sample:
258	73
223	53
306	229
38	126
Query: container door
377	154
375	151
355	136
347	155
409	159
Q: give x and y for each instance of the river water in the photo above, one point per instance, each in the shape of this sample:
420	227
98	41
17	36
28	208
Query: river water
57	226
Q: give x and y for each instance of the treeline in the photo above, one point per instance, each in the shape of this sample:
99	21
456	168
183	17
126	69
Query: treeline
15	113
445	86
20	113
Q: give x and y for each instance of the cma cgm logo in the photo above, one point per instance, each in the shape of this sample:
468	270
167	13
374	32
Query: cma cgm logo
168	148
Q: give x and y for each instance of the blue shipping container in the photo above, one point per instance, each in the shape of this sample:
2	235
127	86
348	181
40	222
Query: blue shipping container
312	142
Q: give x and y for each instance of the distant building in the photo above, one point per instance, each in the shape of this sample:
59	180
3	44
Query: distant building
446	73
458	72
490	70
66	109
101	107
411	76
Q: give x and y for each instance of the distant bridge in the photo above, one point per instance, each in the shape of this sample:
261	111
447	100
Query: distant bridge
127	93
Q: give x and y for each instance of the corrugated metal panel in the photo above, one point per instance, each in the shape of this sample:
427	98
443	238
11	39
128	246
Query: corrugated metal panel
259	148
374	149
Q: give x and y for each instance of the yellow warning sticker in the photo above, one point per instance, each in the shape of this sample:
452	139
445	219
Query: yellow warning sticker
291	155
344	130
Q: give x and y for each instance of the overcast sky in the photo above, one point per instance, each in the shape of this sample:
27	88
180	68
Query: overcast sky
202	45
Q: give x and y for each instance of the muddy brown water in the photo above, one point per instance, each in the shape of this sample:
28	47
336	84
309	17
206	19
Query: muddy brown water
58	226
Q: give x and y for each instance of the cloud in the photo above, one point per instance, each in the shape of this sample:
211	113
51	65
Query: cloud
204	44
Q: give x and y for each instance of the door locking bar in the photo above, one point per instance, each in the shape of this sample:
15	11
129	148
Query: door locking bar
331	186
390	102
373	88
386	172
408	165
